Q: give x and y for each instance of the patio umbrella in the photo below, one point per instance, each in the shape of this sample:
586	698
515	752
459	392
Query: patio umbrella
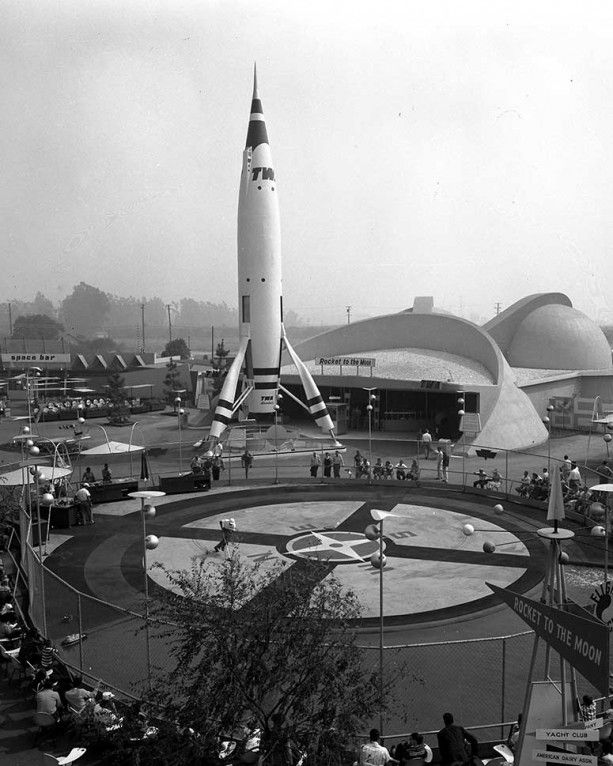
555	509
144	466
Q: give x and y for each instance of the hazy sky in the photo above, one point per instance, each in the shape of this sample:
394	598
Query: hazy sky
462	150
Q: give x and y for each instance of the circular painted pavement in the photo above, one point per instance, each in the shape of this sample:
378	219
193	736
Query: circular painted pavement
433	571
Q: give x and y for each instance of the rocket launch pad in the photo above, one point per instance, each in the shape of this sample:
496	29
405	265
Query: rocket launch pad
256	367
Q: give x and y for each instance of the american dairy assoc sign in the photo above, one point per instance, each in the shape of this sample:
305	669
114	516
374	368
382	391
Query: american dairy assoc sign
359	362
21	359
568	759
584	643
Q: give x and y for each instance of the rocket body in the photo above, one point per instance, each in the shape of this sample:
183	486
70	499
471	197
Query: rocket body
260	303
259	265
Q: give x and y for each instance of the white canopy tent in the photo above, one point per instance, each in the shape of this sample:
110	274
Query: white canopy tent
111	448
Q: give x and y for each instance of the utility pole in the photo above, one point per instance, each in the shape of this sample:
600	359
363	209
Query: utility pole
142	324
169	324
10	320
348	314
498	307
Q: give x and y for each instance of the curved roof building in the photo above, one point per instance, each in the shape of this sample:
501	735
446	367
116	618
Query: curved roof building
422	361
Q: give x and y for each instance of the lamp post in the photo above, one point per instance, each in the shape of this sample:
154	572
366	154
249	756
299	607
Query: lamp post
38	475
378	561
180	412
150	542
369	408
547	422
461	413
607	440
36	374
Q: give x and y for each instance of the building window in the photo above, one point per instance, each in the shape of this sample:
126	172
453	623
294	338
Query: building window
246	309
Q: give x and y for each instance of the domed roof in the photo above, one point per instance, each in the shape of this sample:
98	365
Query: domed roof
558	337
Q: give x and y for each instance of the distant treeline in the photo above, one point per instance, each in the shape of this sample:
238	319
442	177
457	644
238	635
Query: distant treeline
88	311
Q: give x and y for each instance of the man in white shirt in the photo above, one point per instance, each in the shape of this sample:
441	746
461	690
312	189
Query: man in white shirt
373	753
574	477
83	500
426	438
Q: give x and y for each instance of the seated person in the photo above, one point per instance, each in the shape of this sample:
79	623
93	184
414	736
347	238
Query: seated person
9	631
88	476
482	479
401	470
77	696
388	470
524	484
495	479
5	590
414	471
106	474
31	647
377	469
196	465
48	700
105	712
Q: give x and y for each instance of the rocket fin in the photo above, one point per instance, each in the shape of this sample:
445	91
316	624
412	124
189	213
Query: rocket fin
315	403
225	404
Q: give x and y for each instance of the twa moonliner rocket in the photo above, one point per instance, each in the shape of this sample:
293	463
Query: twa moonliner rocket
260	302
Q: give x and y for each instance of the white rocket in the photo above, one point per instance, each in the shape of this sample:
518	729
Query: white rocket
260	302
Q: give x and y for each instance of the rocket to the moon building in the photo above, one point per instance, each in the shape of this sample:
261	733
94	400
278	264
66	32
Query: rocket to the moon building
260	300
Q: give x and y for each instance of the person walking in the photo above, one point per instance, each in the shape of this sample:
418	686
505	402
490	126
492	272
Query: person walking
439	463
373	753
246	461
327	465
217	466
315	463
456	745
83	499
445	467
337	464
426	439
228	529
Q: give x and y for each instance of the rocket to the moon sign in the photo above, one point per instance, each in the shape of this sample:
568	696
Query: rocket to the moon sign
261	331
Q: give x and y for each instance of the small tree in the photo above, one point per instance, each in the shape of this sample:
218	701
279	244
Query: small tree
266	645
119	411
172	381
177	347
219	367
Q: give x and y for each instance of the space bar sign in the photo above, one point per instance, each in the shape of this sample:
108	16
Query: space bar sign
583	643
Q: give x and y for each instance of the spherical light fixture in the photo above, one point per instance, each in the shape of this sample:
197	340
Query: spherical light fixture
34	450
377	561
372	532
25	430
177	400
369	407
607	438
550	408
181	411
563	558
152	542
149	511
498	509
81	420
29	443
461	413
598	531
488	547
546	420
47	498
468	530
461	400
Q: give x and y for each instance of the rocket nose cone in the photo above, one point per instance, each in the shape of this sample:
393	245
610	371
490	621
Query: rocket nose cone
256	134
